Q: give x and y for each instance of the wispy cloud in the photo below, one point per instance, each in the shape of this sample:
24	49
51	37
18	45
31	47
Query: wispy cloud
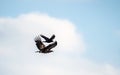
17	50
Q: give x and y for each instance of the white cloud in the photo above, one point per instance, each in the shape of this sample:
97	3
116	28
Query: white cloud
35	24
17	51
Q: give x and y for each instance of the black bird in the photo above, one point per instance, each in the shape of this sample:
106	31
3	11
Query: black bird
48	40
42	48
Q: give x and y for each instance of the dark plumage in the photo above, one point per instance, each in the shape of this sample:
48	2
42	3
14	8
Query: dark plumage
48	40
42	48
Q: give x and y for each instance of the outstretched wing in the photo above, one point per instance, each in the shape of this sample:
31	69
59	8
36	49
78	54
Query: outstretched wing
46	38
50	46
52	37
39	43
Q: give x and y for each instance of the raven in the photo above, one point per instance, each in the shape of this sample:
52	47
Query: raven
42	48
48	40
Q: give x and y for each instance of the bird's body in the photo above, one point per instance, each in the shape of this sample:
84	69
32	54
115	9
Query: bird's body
48	40
42	48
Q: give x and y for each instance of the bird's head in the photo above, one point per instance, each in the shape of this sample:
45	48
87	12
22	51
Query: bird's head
38	52
37	39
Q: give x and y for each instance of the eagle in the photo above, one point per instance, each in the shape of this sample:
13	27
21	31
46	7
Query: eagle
42	48
48	40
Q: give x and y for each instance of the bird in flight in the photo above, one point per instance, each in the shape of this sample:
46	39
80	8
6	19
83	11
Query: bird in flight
42	48
48	40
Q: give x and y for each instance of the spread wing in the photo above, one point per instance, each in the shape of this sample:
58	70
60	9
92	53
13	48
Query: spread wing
52	37
39	43
50	46
46	38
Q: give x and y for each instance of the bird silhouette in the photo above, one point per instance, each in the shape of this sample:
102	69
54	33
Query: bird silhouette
48	40
42	48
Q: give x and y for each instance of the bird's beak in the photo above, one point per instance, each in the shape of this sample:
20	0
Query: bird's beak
36	51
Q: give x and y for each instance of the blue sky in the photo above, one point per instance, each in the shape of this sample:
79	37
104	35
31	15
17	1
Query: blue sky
98	21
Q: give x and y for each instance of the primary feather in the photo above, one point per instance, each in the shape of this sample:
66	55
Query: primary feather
48	40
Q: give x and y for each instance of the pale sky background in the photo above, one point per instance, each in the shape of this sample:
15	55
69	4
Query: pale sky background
87	31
